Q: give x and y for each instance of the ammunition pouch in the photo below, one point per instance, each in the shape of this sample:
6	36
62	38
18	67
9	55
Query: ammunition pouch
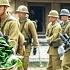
56	43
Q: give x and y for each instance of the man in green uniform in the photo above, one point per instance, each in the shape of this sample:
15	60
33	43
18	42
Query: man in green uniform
28	30
64	14
8	25
52	36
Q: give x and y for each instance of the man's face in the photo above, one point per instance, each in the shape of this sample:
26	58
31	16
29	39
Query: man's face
64	18
21	15
52	19
2	10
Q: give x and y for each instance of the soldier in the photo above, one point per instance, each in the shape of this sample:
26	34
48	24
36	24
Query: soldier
52	36
8	25
64	14
28	30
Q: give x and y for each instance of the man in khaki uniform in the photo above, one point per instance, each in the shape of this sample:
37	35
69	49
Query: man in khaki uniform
65	29
28	30
8	25
52	36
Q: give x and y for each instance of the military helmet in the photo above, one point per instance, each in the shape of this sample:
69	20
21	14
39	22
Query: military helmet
53	13
64	12
22	8
4	2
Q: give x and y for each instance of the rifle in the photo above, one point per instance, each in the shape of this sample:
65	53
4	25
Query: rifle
65	38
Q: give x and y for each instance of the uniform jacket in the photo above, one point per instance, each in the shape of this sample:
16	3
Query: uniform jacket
10	29
66	29
52	34
30	29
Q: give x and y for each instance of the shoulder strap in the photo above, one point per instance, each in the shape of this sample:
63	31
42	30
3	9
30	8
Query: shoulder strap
5	24
25	30
23	27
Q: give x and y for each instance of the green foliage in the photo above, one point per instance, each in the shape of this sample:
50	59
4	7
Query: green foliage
5	52
19	63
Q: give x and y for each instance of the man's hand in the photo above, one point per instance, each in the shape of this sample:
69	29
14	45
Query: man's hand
48	41
14	52
34	51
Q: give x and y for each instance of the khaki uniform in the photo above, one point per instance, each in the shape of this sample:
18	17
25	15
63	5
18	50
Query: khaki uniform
66	60
52	34
29	27
12	31
10	28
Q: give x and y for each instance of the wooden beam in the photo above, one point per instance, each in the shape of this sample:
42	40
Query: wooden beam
54	1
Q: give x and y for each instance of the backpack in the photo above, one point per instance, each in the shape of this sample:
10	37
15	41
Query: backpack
35	24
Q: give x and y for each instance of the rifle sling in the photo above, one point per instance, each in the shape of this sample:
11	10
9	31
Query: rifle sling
24	29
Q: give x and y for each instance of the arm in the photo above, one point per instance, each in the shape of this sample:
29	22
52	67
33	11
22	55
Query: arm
33	34
14	34
55	33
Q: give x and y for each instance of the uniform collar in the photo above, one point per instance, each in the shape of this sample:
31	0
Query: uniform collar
53	24
22	20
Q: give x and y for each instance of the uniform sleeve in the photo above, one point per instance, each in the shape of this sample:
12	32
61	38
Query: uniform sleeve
21	41
14	33
33	32
67	30
47	30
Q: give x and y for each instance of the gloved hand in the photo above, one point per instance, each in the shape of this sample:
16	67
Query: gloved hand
48	41
34	51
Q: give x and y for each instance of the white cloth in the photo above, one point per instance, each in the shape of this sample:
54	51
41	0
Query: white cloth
61	50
